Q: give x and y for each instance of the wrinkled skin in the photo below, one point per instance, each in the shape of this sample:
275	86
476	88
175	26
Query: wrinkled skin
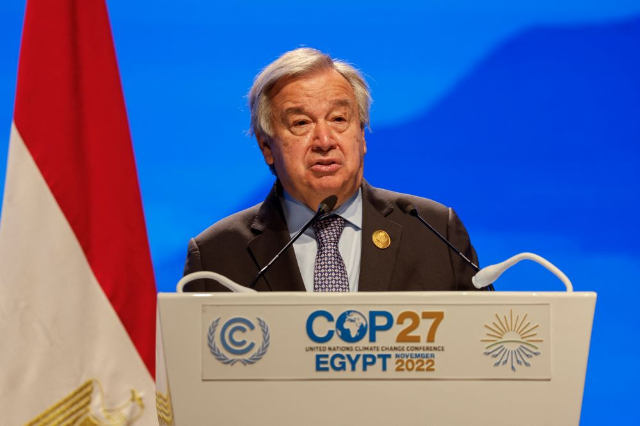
318	144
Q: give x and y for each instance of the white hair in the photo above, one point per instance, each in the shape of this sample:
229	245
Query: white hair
300	62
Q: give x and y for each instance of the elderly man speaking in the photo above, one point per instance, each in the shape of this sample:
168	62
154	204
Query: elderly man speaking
309	113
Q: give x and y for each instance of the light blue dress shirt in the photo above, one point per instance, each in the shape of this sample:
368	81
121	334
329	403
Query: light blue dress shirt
306	248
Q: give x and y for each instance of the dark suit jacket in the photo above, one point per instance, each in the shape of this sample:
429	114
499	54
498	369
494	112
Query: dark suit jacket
241	244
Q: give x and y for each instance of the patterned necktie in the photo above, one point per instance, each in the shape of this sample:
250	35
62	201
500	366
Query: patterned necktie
329	273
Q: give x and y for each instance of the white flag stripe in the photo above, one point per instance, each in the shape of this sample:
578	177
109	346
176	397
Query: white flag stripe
53	312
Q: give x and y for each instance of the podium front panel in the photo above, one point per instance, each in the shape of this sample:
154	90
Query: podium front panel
375	358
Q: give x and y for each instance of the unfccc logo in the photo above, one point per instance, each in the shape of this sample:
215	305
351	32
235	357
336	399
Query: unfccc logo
233	341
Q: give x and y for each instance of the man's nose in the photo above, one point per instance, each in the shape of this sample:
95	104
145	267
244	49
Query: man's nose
322	137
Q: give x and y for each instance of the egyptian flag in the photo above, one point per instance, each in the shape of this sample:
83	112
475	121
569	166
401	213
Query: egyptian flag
77	293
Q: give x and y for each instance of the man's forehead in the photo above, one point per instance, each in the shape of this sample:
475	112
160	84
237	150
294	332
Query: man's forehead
300	109
320	82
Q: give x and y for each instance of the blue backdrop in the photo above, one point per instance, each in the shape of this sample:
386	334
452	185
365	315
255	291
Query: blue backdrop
524	116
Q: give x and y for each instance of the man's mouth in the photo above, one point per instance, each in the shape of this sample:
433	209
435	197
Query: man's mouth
325	165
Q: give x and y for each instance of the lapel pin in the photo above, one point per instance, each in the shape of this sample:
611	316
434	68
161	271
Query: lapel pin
381	239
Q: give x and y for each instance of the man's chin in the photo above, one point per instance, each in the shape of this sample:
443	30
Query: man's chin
330	185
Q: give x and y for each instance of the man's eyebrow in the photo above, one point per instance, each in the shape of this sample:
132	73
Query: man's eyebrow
301	110
292	110
342	102
284	115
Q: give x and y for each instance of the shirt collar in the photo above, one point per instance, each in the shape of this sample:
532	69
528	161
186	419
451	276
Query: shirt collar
297	214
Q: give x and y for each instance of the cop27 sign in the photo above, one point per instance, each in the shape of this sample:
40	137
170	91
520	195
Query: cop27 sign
353	327
341	342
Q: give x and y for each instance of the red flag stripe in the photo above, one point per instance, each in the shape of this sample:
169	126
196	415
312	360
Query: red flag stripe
71	114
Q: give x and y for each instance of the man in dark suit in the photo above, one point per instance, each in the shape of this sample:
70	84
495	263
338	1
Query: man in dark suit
309	113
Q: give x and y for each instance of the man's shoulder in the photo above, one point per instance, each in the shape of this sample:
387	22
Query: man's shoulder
237	224
391	198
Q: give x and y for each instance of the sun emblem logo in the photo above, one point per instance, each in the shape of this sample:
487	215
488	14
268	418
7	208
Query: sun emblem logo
511	342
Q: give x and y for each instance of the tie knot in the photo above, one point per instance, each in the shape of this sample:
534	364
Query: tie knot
329	229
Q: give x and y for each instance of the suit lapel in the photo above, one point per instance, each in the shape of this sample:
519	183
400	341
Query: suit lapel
272	234
377	265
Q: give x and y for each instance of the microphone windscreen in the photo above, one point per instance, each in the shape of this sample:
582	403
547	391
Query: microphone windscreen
328	204
406	206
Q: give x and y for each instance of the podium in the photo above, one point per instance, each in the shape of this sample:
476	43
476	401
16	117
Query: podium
410	358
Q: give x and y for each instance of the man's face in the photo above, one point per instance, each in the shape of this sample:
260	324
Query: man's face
318	145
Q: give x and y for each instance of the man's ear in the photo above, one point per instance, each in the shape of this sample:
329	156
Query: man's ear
265	146
364	142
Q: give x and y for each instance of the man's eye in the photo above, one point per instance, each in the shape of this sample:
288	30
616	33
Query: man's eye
300	123
340	119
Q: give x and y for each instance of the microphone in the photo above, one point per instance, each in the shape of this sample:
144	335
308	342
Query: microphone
410	209
324	207
491	273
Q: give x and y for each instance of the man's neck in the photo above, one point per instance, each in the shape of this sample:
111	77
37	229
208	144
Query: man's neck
298	213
